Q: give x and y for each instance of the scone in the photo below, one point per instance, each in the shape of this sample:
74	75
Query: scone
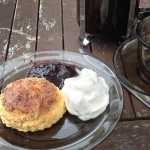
31	104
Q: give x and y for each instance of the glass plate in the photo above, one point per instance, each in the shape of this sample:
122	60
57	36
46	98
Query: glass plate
69	132
126	56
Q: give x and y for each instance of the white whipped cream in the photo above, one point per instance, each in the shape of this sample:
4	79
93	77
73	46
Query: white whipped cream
87	95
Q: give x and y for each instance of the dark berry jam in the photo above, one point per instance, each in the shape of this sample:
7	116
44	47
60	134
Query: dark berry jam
54	72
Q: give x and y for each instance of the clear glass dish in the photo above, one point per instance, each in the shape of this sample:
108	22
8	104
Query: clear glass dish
69	132
127	56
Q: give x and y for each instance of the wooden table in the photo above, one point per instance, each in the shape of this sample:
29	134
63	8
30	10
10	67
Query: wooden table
39	25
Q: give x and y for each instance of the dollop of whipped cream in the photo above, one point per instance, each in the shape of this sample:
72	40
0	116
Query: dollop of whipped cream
87	95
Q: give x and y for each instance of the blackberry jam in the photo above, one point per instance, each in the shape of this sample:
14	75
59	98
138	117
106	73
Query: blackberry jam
54	72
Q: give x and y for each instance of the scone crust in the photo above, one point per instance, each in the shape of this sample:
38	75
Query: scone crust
31	104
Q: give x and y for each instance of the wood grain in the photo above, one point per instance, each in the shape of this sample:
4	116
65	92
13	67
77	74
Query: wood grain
6	17
128	135
71	28
141	110
145	3
50	25
23	37
104	50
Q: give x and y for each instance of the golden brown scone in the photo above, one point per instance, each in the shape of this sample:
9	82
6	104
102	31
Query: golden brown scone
31	104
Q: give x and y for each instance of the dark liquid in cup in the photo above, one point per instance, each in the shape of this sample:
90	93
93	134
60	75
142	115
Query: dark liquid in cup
106	17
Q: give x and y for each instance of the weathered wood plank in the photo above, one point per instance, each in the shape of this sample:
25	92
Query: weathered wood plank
50	25
141	111
7	9
104	50
71	28
23	36
128	112
144	3
128	135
